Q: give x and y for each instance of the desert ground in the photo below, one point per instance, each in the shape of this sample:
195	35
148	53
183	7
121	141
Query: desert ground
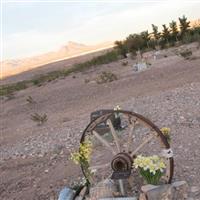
35	160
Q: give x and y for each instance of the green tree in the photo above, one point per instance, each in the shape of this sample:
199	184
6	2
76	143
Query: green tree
165	34
135	42
156	33
146	37
174	30
184	25
121	48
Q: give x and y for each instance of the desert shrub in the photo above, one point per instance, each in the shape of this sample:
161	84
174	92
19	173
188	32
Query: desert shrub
36	82
188	38
30	100
124	63
39	118
106	77
10	96
11	88
99	60
186	53
87	80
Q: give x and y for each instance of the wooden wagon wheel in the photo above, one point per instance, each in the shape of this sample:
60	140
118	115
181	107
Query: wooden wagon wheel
116	147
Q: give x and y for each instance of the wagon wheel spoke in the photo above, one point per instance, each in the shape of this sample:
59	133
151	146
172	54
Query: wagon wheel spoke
99	166
132	127
104	142
142	144
114	134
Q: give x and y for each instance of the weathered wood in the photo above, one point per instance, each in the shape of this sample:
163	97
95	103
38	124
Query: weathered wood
142	144
115	137
104	142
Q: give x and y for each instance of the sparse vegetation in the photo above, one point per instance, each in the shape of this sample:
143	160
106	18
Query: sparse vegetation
10	96
87	80
121	48
186	53
106	77
124	63
30	100
39	118
99	60
108	57
11	88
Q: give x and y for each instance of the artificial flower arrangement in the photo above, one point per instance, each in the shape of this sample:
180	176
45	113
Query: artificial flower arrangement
82	157
151	168
166	132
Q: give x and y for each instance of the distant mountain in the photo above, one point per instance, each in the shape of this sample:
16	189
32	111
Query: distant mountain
71	49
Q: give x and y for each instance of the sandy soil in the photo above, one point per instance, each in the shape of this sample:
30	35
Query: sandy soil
34	162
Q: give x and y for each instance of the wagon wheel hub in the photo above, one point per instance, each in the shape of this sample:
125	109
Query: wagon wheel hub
121	165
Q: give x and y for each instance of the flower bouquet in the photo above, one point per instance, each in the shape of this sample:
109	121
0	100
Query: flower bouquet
151	168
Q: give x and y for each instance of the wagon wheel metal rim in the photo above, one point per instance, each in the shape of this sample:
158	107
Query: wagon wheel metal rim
133	118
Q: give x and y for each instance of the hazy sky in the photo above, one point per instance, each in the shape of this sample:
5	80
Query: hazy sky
33	27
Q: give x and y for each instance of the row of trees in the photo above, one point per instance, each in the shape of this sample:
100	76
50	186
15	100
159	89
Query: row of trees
169	36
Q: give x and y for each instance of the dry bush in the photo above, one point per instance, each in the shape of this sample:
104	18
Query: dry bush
10	96
106	77
87	80
186	53
124	63
30	100
40	119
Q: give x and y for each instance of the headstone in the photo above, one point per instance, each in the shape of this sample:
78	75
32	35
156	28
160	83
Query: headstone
140	66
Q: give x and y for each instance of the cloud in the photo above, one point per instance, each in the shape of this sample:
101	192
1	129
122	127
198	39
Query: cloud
106	27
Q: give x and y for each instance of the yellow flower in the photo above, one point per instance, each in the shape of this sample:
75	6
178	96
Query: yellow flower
165	131
84	153
152	163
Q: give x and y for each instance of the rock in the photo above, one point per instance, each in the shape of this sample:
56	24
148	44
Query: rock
180	190
177	190
162	192
142	197
148	187
194	189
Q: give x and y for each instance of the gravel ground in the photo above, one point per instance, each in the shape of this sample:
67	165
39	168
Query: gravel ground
34	162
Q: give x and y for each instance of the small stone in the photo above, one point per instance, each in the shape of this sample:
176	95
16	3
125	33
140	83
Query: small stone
46	170
161	192
23	156
180	190
195	189
146	188
142	197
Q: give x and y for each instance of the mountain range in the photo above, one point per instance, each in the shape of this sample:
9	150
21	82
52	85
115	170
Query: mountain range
71	49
